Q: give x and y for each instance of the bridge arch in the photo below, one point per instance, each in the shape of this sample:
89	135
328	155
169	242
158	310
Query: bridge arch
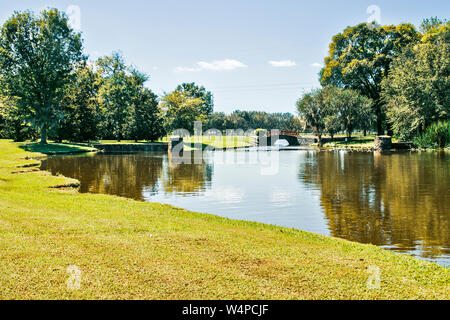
271	138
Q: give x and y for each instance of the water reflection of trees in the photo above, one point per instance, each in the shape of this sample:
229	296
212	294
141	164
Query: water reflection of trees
118	174
186	178
400	200
129	175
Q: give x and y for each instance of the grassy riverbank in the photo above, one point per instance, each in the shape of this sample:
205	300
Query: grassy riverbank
214	142
217	142
133	250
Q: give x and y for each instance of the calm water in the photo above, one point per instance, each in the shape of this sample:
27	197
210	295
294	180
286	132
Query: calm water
399	201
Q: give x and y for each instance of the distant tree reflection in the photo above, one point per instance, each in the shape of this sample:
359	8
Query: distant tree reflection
186	178
400	200
128	175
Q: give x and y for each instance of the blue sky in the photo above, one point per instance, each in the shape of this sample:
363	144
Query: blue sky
253	55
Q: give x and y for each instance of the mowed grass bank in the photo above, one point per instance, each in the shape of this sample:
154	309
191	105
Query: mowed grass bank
215	142
191	143
134	250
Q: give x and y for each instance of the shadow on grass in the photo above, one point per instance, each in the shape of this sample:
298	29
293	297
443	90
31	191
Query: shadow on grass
128	142
53	148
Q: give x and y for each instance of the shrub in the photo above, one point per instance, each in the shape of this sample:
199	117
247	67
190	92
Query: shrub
436	136
260	132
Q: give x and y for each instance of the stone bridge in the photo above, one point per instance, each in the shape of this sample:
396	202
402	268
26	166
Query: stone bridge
293	138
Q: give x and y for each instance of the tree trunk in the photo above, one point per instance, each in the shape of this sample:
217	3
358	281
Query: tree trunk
365	133
390	131
43	134
379	120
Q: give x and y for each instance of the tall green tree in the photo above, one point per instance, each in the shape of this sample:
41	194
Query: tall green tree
179	111
83	115
118	87
360	58
194	91
38	55
313	110
349	107
145	122
417	90
332	124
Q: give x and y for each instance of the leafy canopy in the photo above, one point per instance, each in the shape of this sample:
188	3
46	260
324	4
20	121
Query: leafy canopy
349	108
360	58
194	91
120	85
145	122
417	90
179	111
83	114
313	109
38	55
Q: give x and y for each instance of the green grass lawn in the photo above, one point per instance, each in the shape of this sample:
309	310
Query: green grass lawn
135	250
217	142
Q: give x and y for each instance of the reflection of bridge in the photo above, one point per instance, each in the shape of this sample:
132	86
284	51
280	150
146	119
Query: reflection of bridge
292	137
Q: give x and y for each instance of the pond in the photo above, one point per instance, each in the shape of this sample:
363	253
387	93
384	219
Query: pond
399	201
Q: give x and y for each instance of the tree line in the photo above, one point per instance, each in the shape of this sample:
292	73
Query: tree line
391	78
248	120
49	90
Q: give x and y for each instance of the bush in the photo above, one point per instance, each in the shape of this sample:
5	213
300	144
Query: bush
260	132
436	136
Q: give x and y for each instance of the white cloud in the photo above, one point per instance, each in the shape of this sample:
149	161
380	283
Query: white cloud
221	65
227	194
316	65
282	197
185	69
282	63
216	65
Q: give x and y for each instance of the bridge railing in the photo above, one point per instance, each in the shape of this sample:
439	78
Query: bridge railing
283	133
